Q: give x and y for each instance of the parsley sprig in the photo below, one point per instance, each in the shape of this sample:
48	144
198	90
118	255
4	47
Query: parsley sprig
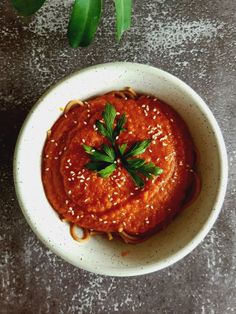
105	160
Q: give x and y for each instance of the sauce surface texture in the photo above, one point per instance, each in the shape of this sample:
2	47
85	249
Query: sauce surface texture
116	204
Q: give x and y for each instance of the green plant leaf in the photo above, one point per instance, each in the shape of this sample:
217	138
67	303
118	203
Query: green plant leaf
138	148
123	16
109	151
135	163
106	172
96	165
88	149
119	126
151	168
109	115
104	160
100	156
122	148
27	7
84	22
102	129
137	179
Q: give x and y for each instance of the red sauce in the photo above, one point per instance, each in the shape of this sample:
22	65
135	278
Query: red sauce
115	203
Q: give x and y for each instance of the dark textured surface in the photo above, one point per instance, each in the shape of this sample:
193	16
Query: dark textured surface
194	40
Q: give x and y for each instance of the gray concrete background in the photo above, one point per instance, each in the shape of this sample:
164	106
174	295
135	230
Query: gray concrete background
193	39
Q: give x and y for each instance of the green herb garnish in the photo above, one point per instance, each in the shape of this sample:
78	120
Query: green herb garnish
104	160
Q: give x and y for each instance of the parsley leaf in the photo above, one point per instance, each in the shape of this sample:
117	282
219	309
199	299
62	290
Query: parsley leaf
122	148
138	148
104	160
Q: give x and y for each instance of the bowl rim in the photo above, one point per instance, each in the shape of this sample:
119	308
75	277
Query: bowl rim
206	227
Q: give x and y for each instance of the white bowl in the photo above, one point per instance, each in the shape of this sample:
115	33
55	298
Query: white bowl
100	255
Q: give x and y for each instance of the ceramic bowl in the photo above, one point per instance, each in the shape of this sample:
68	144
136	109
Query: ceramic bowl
100	255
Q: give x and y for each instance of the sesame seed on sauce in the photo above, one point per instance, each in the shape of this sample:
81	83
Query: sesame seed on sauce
171	120
65	116
163	138
47	156
83	140
52	140
69	192
47	169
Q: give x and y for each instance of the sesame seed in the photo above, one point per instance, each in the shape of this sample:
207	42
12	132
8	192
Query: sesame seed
69	192
47	169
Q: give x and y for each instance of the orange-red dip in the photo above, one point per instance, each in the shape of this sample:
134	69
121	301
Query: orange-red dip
116	203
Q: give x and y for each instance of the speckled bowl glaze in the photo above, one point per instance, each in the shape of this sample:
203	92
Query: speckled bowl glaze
100	255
